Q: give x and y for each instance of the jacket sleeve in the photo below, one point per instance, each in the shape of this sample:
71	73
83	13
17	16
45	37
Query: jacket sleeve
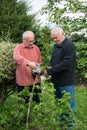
69	58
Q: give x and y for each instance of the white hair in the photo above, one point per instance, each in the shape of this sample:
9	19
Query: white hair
57	30
25	34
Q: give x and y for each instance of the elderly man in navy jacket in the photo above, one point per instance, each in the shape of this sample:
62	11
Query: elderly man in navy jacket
62	65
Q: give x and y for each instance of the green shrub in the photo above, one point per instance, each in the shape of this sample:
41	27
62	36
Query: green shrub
45	115
81	63
7	69
7	65
42	116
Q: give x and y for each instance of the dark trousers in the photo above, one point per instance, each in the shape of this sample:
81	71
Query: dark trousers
36	93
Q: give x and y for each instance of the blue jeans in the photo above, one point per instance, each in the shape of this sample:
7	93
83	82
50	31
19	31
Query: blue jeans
69	89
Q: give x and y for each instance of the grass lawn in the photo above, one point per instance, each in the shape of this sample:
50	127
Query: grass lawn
81	99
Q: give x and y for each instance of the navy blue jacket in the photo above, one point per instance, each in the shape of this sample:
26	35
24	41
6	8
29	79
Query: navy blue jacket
62	63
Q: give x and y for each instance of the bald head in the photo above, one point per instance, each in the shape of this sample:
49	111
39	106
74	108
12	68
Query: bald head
28	34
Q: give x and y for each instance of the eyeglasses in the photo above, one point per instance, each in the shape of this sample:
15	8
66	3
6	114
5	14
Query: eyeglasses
29	41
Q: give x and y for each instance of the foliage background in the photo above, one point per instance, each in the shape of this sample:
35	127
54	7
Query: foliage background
14	20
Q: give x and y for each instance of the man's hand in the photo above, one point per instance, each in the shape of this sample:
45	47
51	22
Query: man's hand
32	65
45	73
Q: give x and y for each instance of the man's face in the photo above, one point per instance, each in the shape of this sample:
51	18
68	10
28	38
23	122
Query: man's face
28	41
56	37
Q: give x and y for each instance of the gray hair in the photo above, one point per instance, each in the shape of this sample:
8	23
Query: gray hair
25	34
57	30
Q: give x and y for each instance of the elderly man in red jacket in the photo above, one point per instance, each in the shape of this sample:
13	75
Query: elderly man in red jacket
27	56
